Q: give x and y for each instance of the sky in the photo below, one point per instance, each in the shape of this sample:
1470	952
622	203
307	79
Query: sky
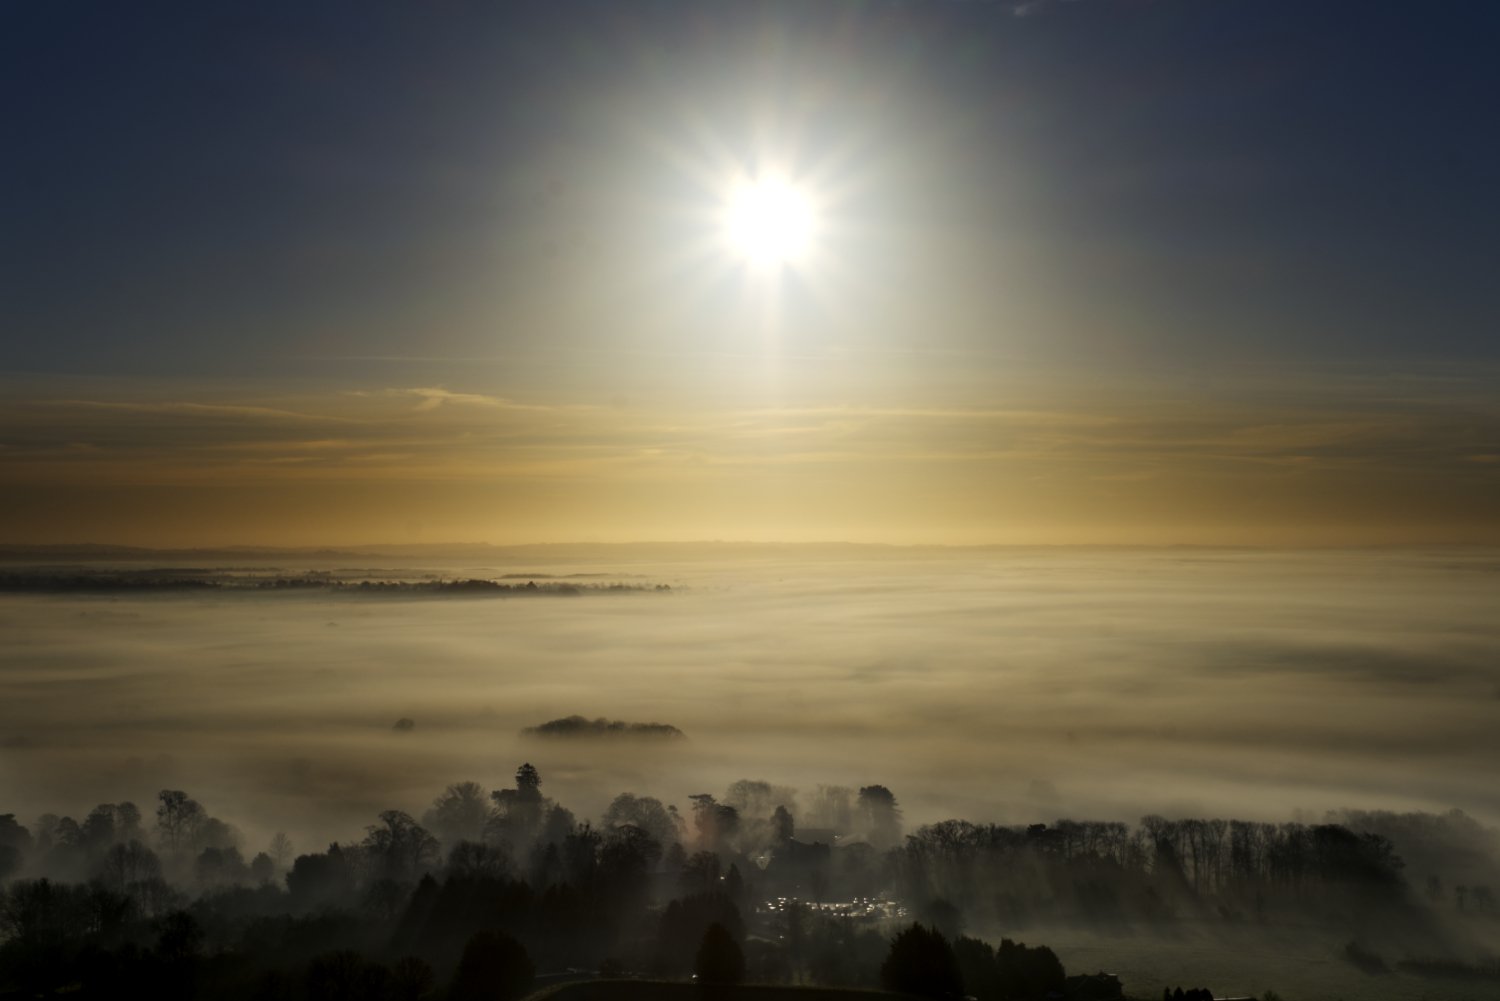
1103	271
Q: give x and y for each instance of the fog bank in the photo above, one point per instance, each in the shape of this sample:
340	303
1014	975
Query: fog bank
1007	686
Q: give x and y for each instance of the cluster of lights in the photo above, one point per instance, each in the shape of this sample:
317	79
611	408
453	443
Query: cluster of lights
859	907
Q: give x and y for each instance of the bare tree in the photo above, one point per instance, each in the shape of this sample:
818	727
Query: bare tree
178	819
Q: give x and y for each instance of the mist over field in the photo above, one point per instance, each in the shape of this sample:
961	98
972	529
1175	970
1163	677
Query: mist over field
996	685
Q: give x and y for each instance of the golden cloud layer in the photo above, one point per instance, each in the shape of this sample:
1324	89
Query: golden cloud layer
1383	467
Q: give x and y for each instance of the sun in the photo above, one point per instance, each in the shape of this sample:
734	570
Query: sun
769	221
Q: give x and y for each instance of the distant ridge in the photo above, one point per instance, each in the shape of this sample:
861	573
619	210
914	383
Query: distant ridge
97	551
545	552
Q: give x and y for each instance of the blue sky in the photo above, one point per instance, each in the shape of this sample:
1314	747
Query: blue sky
1145	199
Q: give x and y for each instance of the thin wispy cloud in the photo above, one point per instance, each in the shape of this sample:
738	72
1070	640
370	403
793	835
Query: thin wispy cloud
192	409
1168	461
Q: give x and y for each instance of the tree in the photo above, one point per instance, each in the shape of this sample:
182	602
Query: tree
459	814
179	944
644	812
831	807
220	867
719	959
976	964
15	842
782	828
700	874
494	967
734	885
922	962
281	850
559	822
626	856
715	822
178	818
411	978
400	846
13	834
475	859
320	880
99	828
684	922
755	802
1028	972
214	833
128	864
880	816
262	869
345	975
518	812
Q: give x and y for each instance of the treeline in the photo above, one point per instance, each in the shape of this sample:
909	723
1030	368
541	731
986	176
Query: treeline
1104	873
166	582
806	887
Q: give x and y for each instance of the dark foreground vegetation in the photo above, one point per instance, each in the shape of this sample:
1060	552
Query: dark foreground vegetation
494	894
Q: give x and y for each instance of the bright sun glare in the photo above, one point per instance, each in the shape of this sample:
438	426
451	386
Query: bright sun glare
769	222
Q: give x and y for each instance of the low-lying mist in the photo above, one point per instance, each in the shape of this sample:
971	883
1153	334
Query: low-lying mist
1004	686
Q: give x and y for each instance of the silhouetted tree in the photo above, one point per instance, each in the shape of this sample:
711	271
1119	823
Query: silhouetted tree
734	885
646	813
262	869
494	967
880	817
216	867
684	923
782	828
943	916
178	818
281	850
519	812
320	880
109	824
755	803
831	807
715	822
127	864
921	962
461	813
345	975
1026	973
976	965
178	946
411	979
472	859
700	873
15	844
720	959
400	847
557	824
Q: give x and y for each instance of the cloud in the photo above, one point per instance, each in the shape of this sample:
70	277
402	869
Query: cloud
432	398
1068	456
194	410
1130	681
